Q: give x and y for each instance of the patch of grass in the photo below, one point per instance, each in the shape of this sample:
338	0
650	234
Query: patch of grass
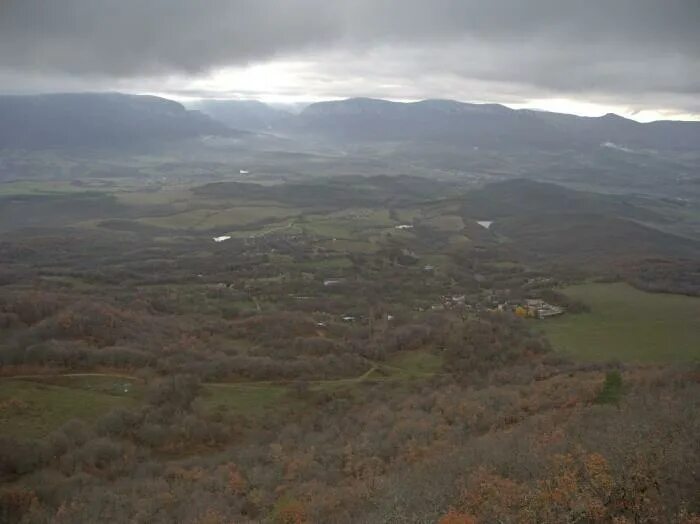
32	409
331	228
203	219
413	364
348	224
67	281
612	389
244	399
203	299
628	324
447	223
184	220
116	385
408	215
504	264
154	198
342	383
244	215
349	246
392	234
325	263
38	187
437	261
288	227
404	366
458	240
365	216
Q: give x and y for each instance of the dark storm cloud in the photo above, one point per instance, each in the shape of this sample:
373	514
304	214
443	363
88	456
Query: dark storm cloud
145	37
609	48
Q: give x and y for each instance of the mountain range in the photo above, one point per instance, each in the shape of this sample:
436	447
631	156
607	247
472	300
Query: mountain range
98	120
367	120
115	119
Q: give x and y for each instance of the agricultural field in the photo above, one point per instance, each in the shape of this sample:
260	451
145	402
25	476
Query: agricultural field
39	188
627	324
448	223
216	218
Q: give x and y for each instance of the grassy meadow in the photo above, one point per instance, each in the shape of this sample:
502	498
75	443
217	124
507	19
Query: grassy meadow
32	407
35	408
627	324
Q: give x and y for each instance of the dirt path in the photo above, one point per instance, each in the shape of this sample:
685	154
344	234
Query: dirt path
53	375
242	384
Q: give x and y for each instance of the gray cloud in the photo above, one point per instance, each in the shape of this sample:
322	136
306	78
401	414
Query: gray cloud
646	50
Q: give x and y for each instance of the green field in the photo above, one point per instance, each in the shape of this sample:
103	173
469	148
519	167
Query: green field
349	224
35	406
628	324
33	409
212	218
32	187
447	223
246	399
414	364
325	263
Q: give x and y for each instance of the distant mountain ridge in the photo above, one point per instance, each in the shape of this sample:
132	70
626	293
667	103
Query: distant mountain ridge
490	125
115	119
366	120
98	120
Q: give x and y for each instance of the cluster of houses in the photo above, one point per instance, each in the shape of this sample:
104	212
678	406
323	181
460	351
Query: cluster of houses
450	302
529	308
537	308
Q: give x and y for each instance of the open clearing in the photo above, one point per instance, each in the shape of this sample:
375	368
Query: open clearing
414	364
33	406
39	187
628	324
212	218
33	409
245	399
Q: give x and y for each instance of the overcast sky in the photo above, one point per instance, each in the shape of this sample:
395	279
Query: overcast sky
640	58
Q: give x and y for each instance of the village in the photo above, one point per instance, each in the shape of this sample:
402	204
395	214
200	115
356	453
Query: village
535	308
